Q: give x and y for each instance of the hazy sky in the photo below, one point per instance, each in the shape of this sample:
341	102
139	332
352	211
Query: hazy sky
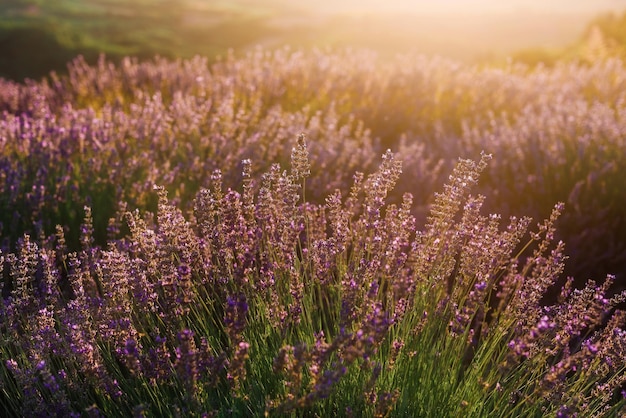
462	29
465	6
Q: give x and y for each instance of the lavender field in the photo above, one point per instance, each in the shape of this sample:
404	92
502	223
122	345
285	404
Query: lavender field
314	233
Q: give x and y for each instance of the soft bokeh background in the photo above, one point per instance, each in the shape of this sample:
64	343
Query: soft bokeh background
37	36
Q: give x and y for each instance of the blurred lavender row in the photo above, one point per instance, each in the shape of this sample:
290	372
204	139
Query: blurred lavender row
104	135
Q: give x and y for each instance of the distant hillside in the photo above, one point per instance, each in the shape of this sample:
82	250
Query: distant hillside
604	37
62	29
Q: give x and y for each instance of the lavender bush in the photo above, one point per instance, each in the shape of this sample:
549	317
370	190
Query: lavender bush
262	302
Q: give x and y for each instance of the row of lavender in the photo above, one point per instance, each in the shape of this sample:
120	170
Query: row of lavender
262	303
106	134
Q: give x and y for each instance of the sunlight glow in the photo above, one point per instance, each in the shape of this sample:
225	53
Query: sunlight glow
466	6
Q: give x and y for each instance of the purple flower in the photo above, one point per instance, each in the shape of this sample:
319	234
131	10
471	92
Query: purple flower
235	315
186	364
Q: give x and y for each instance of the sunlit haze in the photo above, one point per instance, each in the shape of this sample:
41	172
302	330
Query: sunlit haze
464	6
460	29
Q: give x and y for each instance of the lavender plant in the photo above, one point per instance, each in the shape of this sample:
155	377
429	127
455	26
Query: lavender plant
263	302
